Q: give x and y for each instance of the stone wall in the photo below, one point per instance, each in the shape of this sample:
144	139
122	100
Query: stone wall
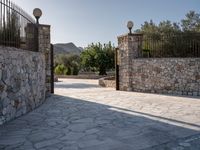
180	76
22	82
107	82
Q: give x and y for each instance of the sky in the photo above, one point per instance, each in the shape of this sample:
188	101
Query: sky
85	21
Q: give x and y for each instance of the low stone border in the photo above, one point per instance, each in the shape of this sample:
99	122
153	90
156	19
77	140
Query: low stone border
79	76
107	82
55	79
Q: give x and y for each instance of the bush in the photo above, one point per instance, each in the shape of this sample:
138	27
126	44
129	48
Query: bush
75	70
69	71
60	70
65	71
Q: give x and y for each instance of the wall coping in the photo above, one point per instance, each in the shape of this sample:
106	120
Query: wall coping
127	34
44	25
3	48
166	58
110	78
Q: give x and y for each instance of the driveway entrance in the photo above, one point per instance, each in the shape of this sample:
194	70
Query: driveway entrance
83	116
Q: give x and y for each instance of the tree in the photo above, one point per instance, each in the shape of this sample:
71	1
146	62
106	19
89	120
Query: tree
167	27
71	63
163	28
191	22
88	58
170	38
98	57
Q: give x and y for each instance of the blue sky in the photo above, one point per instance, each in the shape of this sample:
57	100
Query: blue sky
86	21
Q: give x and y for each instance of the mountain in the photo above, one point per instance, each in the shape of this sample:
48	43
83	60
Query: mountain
67	48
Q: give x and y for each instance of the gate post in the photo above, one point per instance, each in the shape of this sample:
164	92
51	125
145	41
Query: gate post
44	46
129	46
38	39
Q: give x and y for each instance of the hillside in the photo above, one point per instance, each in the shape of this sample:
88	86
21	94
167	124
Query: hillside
66	48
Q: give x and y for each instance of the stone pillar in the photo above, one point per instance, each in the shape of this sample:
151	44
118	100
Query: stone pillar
38	39
129	46
44	46
31	38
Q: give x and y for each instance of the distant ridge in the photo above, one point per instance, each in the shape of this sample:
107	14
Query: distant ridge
67	48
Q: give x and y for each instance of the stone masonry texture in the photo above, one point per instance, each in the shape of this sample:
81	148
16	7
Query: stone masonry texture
83	116
44	47
129	48
22	82
111	83
180	76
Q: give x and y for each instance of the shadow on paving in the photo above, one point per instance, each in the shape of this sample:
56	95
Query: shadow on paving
76	86
66	123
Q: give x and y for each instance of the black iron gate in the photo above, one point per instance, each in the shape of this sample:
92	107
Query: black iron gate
117	68
52	69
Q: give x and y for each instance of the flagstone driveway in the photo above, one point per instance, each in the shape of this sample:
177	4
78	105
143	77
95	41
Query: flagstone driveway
83	116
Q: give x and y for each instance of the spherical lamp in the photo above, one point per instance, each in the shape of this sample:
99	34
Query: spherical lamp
130	25
37	13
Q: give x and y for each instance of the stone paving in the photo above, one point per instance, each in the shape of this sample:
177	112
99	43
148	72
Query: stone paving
83	116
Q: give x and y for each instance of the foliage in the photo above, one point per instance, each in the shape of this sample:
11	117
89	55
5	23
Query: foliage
98	57
71	62
60	70
171	39
75	70
190	24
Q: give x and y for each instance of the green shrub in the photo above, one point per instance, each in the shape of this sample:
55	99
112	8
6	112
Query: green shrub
65	71
69	71
75	70
60	69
